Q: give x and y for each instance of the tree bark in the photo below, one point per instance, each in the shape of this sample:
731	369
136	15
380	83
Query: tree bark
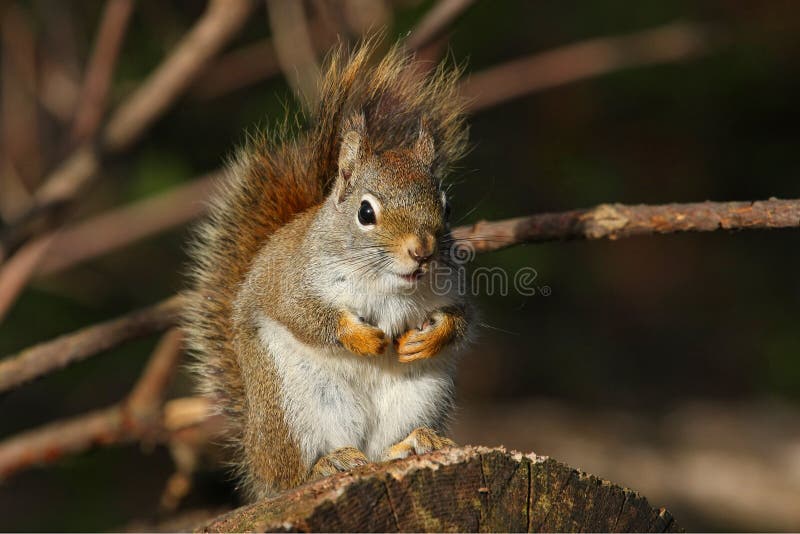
469	489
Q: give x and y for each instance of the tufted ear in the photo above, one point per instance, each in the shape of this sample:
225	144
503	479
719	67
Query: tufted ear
352	149
423	148
349	153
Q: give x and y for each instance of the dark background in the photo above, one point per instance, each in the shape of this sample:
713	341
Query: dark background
670	364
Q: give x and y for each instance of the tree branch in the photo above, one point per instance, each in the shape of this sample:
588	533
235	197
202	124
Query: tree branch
108	426
239	68
615	221
97	81
294	49
101	234
144	401
140	417
436	22
221	20
121	226
586	59
15	273
62	351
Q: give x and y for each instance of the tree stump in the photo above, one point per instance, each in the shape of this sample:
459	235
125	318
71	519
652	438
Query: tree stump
468	489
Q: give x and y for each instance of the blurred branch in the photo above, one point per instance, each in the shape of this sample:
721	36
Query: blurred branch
140	417
97	81
220	22
100	235
144	401
595	57
62	351
615	221
15	273
108	426
21	139
294	48
237	69
119	227
436	22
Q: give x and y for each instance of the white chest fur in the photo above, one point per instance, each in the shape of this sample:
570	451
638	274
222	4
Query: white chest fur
333	398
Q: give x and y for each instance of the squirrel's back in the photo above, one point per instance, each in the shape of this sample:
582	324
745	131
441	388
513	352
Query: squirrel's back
275	177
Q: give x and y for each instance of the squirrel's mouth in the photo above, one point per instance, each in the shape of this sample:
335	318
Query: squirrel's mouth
412	277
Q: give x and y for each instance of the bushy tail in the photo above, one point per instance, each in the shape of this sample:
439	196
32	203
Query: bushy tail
274	177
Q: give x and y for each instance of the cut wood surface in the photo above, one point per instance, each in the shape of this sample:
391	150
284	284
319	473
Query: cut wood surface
468	489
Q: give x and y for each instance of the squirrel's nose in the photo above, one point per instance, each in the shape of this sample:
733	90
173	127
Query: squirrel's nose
422	250
420	254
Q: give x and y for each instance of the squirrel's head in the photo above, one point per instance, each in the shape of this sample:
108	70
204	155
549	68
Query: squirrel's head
393	206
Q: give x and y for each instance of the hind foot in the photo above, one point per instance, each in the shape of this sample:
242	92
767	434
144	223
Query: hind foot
337	461
420	441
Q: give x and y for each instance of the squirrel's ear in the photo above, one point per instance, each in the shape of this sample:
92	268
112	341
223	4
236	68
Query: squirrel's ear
352	146
348	156
423	148
348	153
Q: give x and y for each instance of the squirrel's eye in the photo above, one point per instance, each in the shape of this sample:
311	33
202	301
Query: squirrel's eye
366	215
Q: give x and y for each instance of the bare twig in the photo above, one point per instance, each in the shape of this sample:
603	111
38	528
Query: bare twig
59	439
108	426
436	22
59	62
237	69
144	401
20	135
139	417
119	227
615	221
128	224
219	23
100	235
294	48
15	273
671	42
97	81
45	357
354	17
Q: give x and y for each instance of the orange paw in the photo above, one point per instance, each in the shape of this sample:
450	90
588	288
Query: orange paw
418	344
359	337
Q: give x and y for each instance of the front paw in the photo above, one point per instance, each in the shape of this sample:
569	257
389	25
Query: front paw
425	342
360	337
